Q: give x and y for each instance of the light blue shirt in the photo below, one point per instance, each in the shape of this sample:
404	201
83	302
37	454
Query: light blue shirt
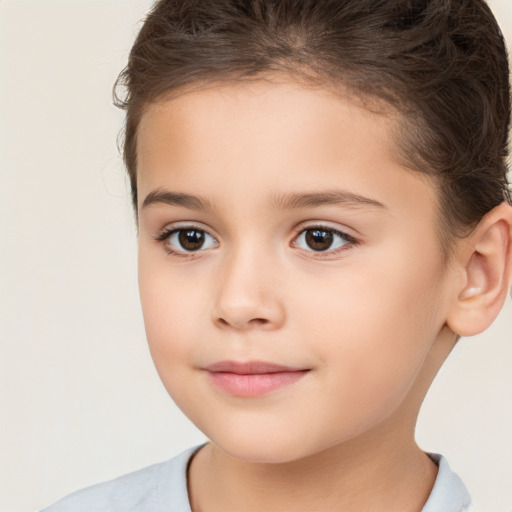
163	488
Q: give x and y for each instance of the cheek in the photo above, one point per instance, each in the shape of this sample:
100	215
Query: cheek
175	317
173	314
375	328
370	300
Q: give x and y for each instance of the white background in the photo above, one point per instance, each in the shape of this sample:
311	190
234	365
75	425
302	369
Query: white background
80	401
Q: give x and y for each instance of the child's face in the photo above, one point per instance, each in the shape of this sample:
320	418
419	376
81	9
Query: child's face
309	247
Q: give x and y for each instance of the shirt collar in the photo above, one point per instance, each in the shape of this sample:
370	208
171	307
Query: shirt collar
449	493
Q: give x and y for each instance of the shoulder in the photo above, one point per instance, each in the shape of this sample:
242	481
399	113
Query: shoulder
449	493
160	487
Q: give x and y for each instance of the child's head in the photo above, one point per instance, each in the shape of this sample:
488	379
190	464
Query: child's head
280	155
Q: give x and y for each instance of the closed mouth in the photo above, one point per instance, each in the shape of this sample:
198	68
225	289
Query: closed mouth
252	379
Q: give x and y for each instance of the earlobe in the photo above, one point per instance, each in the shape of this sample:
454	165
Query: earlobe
486	262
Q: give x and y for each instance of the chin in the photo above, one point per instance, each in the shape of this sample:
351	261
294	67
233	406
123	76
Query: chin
260	453
267	447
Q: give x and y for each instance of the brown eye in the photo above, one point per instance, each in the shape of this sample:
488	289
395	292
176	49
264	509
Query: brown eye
319	239
188	239
191	239
322	239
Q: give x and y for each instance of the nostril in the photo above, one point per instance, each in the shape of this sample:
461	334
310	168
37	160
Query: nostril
258	321
222	322
241	323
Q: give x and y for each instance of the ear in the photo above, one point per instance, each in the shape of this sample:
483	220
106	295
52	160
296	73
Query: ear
485	260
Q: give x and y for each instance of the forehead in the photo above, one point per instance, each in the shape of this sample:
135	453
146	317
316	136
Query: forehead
273	135
277	104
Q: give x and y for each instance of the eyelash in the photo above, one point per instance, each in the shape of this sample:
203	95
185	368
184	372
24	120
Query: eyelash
166	233
350	241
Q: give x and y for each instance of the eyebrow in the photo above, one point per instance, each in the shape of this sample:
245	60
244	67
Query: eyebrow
176	199
292	201
288	201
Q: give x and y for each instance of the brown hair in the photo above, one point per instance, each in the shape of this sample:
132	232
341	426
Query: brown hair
441	63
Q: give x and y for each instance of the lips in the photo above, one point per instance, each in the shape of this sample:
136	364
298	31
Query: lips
252	379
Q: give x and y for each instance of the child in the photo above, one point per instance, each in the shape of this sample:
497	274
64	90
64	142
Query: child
323	210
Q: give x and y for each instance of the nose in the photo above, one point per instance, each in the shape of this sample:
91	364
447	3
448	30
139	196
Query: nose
248	294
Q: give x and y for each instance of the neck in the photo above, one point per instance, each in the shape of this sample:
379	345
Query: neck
339	478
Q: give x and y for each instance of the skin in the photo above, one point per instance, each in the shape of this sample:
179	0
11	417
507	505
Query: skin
368	320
